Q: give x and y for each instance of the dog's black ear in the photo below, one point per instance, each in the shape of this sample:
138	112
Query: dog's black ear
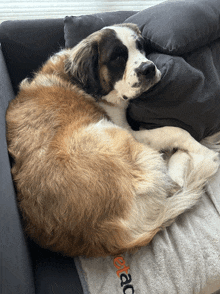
84	69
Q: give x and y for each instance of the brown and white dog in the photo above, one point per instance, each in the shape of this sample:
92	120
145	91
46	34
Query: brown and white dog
87	185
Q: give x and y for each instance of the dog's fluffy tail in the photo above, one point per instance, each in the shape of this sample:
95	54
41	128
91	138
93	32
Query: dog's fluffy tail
184	199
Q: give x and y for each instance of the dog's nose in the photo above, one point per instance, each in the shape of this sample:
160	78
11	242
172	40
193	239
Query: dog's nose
147	70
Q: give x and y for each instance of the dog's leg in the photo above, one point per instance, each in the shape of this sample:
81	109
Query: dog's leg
173	137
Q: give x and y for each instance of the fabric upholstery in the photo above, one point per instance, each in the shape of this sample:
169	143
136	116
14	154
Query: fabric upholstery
54	273
27	44
15	263
183	25
77	28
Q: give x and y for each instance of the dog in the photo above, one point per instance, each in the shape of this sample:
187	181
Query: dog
86	183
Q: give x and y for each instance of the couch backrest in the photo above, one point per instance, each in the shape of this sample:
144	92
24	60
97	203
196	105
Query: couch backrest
27	44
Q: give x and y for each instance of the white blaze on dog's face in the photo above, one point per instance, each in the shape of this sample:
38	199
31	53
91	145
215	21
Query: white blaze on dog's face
112	61
139	74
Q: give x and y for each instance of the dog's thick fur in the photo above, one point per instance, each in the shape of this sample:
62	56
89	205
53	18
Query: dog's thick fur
87	186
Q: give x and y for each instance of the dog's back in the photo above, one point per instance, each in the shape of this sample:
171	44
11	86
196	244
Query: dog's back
77	174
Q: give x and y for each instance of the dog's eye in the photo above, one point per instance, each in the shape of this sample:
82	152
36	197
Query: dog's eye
119	56
118	60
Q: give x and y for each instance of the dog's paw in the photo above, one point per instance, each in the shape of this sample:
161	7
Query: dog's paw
207	162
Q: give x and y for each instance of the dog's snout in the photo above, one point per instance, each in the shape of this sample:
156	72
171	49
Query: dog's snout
147	70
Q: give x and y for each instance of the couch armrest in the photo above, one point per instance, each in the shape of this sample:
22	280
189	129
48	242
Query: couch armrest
16	276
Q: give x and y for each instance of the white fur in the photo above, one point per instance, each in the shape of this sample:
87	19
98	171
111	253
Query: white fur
56	57
135	58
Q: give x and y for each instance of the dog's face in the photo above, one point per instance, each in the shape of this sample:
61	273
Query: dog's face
113	59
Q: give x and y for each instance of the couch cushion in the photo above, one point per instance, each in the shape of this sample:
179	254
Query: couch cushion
77	28
54	273
177	27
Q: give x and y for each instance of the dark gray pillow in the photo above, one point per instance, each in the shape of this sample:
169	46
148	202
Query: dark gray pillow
177	27
77	28
188	95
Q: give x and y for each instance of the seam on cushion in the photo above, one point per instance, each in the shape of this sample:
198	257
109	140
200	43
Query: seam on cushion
159	47
165	65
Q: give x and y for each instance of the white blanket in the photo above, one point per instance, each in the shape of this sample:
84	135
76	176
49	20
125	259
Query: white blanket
182	259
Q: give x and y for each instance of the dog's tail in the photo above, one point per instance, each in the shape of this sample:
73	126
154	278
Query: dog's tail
192	180
182	200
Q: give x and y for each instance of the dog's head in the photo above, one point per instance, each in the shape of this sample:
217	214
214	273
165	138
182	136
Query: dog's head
113	58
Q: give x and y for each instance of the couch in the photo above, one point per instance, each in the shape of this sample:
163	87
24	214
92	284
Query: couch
25	45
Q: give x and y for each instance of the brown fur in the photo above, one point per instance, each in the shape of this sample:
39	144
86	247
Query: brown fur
84	190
